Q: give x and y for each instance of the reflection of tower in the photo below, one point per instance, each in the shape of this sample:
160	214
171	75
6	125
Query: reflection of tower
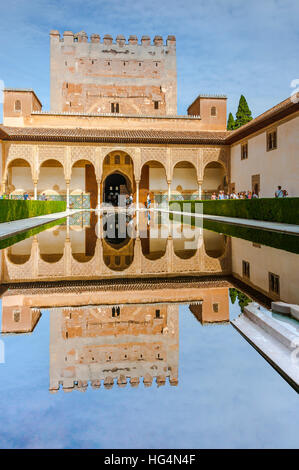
108	343
17	317
214	308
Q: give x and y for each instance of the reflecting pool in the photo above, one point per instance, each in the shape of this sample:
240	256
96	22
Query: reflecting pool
116	334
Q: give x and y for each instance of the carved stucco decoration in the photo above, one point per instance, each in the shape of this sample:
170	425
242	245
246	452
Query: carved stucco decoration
219	155
19	151
192	156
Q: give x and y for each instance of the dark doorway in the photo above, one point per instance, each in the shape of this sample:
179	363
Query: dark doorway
116	185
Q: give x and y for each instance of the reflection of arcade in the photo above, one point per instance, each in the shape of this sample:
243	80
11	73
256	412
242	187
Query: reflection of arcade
95	341
118	246
81	251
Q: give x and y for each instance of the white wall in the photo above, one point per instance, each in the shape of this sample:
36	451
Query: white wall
276	167
213	177
52	241
21	178
157	179
264	260
77	241
184	177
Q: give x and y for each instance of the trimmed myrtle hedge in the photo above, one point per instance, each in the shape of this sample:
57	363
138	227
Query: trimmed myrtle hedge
5	243
11	209
282	241
284	210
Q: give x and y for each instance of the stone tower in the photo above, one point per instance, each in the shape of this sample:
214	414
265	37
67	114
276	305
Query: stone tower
94	76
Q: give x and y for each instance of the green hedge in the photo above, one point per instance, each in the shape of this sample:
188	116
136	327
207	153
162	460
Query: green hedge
284	210
11	209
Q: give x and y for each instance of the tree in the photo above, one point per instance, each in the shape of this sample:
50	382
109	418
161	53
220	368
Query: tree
243	114
231	122
233	293
243	300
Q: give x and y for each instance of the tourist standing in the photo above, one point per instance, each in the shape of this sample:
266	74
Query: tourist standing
148	201
279	192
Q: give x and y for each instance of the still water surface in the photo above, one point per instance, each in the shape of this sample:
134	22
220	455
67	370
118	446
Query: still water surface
153	309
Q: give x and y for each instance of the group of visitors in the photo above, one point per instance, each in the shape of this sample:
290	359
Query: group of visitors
234	195
129	200
281	192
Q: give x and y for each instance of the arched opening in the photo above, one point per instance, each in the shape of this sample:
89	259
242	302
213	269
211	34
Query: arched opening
215	243
83	186
19	179
51	243
118	246
84	239
184	182
20	252
214	179
116	185
51	181
118	178
153	180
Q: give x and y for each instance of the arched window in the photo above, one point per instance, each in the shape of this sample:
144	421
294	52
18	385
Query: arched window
18	106
213	111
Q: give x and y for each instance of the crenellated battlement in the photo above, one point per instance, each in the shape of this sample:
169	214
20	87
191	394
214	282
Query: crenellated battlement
68	37
119	75
68	385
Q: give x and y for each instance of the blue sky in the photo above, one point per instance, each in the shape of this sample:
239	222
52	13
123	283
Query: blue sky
223	46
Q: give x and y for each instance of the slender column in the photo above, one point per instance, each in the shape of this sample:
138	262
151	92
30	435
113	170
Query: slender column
199	182
67	194
99	194
137	194
169	190
3	187
67	228
35	189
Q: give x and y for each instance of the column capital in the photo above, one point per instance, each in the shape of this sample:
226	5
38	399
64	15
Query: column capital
67	182
199	182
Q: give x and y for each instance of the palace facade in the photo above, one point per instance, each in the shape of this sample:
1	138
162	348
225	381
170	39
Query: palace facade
113	130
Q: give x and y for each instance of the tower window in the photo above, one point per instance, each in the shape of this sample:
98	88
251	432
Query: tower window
156	104
244	151
246	269
272	140
215	308
114	107
16	316
274	283
18	106
158	314
213	111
